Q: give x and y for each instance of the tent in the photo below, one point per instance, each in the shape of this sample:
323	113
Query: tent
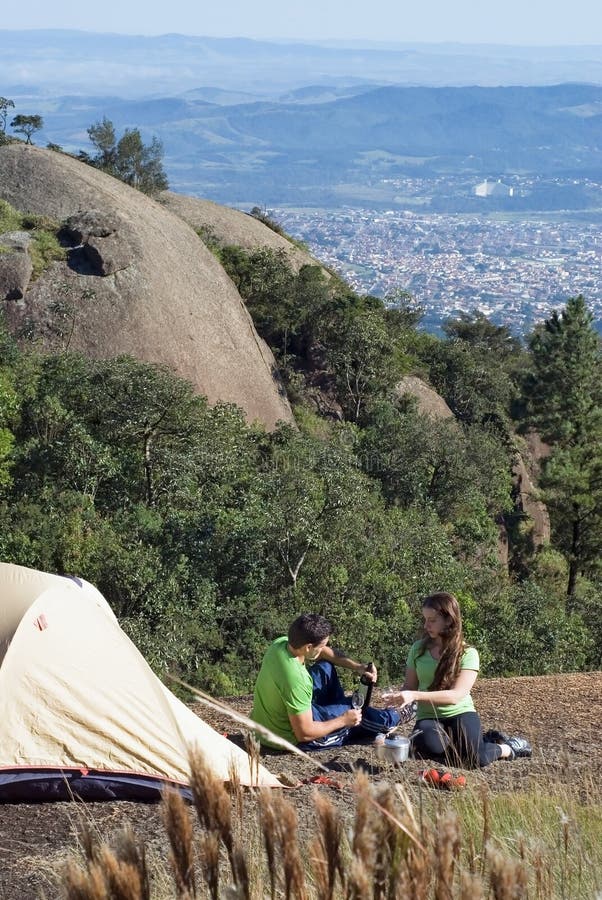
81	712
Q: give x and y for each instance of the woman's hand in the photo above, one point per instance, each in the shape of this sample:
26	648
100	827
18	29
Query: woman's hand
407	697
398	698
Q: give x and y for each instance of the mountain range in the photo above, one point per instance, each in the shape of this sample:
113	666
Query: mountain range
305	149
59	61
247	122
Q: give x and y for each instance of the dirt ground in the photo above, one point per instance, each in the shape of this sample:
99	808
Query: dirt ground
561	716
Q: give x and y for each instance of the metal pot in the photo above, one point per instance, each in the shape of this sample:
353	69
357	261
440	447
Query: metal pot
394	749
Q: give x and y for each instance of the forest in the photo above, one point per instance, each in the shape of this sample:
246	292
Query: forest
207	534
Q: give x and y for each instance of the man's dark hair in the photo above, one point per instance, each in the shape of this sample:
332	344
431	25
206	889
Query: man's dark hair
310	628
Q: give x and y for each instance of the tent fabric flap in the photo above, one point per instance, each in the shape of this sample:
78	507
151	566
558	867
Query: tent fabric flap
76	696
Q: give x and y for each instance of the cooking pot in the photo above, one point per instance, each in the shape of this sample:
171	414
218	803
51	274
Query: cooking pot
394	749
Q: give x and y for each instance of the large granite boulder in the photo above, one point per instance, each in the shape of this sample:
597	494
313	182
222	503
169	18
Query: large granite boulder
138	281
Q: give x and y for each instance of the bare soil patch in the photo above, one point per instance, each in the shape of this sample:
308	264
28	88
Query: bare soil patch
560	714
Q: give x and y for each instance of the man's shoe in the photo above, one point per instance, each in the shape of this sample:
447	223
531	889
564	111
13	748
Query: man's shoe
519	747
407	712
493	736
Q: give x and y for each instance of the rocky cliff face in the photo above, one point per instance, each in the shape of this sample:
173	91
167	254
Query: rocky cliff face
137	281
231	226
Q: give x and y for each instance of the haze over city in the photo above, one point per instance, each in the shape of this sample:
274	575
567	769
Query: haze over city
538	22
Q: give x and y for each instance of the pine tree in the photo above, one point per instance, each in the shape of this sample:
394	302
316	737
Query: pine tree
564	395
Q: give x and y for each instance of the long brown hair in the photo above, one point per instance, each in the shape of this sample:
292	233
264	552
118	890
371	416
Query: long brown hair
453	644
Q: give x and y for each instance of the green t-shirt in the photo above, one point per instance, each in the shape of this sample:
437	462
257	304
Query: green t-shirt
425	666
283	686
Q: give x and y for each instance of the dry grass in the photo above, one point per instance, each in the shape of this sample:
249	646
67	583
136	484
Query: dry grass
468	845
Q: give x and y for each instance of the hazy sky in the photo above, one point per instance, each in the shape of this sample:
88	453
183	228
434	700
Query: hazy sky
467	21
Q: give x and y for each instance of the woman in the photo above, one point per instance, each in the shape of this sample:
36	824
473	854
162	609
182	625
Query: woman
441	670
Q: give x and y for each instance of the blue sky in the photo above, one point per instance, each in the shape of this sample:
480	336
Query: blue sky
540	22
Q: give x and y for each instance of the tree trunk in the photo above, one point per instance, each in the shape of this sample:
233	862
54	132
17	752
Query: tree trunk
148	470
574	555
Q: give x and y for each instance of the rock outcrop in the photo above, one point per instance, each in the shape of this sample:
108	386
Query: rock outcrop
108	242
430	403
137	281
15	264
231	226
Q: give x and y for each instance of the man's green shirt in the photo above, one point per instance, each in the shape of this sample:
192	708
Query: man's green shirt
283	687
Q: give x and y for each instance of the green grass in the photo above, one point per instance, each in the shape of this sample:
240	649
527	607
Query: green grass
556	833
45	246
10	219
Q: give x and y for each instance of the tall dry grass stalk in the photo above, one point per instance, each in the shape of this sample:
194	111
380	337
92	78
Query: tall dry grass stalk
389	854
214	810
325	851
486	832
363	841
449	842
181	839
209	857
471	887
280	828
237	795
110	874
508	877
269	828
253	748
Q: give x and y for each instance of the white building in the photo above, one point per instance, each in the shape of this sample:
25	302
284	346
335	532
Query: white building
491	188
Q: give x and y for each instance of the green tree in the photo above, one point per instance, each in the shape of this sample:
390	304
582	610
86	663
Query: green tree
5	105
364	358
478	331
129	158
103	138
27	125
564	397
140	165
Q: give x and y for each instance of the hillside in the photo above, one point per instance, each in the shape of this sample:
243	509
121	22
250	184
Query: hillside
137	280
560	714
231	226
310	148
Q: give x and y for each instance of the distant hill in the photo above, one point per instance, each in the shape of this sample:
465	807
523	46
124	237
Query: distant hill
134	65
137	280
308	149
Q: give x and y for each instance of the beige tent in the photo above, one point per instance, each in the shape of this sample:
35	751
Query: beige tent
81	712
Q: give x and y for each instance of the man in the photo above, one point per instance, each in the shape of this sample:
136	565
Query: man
299	697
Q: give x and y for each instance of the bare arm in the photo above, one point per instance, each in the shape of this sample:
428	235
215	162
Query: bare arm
347	663
306	729
461	688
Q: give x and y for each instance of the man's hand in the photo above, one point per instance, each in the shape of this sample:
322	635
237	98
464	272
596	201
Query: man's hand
352	717
369	672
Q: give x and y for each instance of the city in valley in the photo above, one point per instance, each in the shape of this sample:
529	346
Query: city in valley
515	269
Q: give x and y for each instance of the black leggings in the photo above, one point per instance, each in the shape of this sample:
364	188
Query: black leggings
456	741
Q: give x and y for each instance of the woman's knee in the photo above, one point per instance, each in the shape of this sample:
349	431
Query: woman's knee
429	737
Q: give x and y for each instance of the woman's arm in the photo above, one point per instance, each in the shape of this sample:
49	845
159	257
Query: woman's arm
462	688
411	680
